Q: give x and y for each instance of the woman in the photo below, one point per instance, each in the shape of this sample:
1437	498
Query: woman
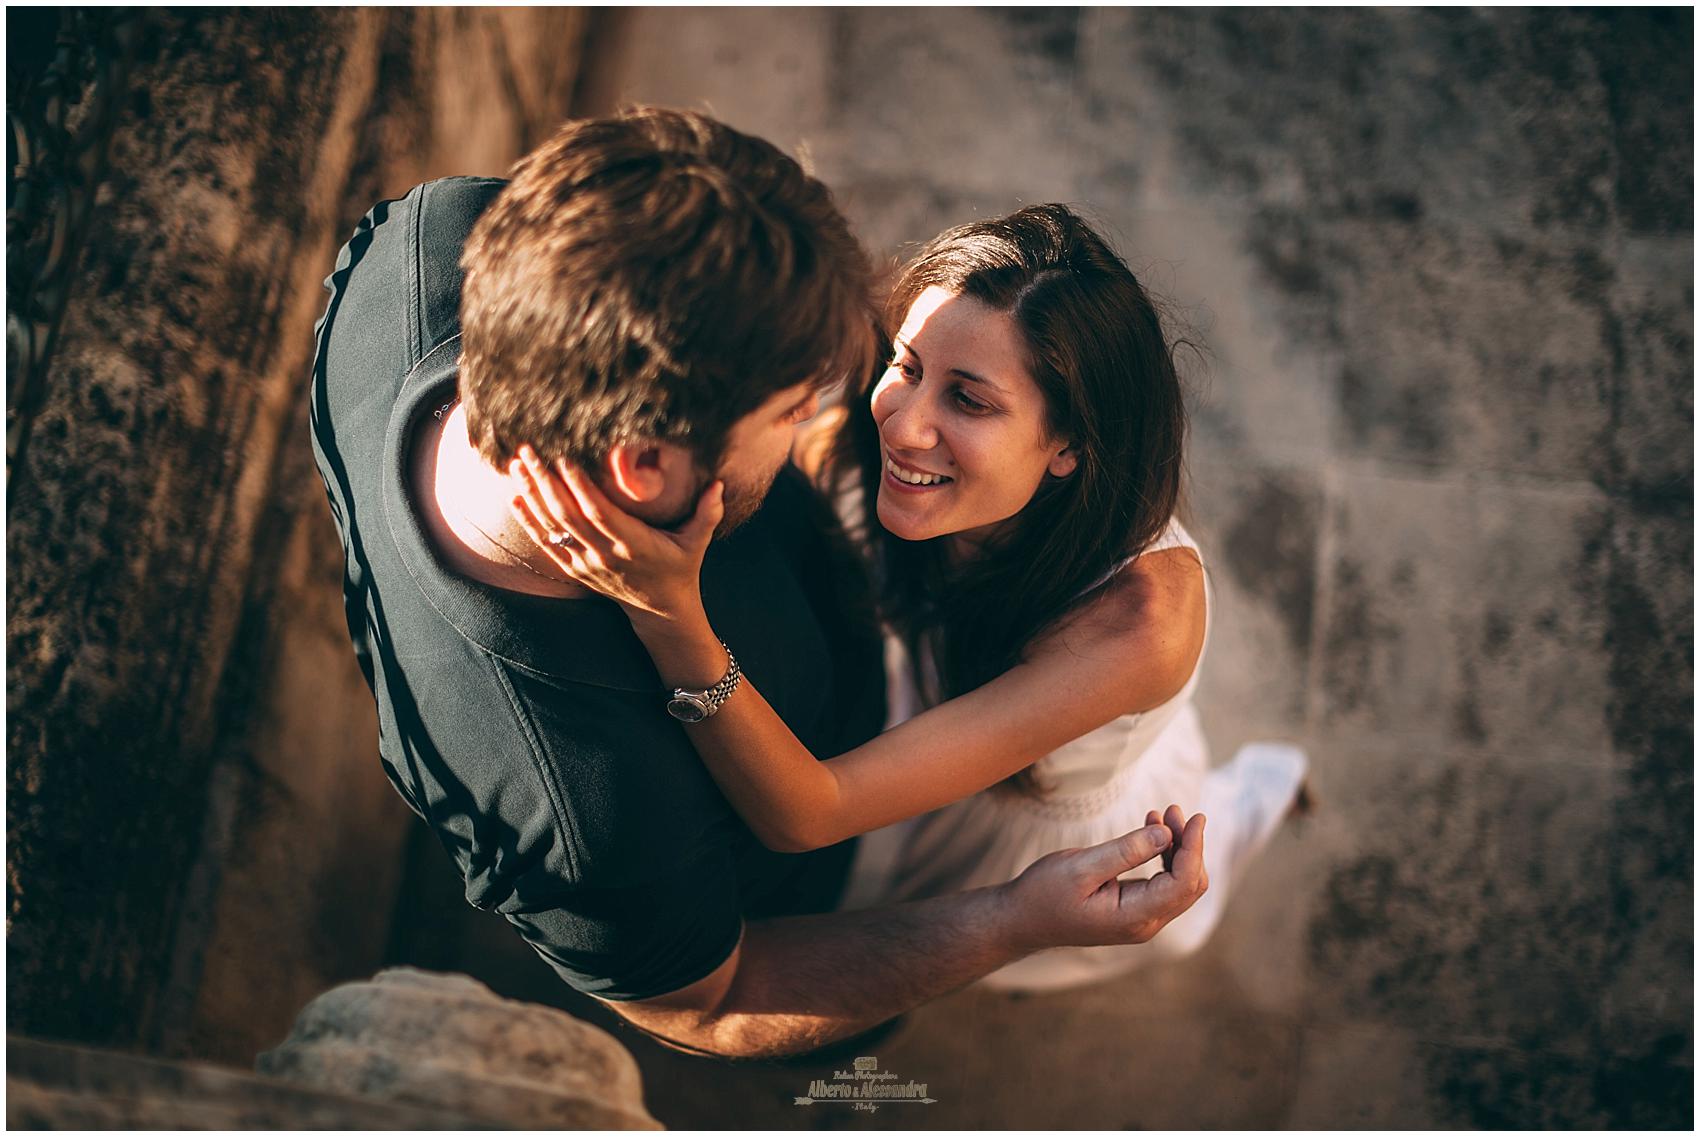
1023	451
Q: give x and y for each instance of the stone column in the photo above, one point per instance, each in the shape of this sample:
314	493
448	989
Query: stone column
200	834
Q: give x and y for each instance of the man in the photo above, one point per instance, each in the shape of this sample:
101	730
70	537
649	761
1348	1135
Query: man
657	298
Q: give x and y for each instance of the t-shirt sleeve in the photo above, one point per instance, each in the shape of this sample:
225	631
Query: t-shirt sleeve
642	939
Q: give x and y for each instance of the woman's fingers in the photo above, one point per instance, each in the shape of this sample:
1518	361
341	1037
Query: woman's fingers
592	504
711	507
561	554
552	510
545	490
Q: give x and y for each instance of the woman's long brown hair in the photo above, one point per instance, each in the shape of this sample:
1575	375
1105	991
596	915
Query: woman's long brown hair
1098	352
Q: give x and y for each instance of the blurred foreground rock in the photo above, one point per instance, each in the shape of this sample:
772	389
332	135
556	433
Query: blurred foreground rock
51	1086
449	1042
405	1050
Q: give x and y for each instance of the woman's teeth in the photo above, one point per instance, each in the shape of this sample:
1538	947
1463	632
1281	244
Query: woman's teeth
913	479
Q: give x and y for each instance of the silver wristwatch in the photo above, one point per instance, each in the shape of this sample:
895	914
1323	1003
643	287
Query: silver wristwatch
694	706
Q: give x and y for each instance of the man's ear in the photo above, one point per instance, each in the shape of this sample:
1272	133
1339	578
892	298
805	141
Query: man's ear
1062	463
644	471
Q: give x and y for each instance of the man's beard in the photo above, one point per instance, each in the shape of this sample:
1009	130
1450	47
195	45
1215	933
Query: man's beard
741	500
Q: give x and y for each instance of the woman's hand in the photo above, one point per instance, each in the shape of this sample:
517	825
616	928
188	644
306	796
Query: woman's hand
648	571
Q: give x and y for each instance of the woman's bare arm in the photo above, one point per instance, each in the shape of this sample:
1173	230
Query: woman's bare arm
1131	648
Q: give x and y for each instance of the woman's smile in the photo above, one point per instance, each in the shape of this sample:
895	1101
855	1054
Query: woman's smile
911	479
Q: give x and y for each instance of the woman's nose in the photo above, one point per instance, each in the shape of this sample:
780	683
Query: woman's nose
909	424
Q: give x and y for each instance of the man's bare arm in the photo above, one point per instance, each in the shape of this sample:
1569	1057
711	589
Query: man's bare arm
797	983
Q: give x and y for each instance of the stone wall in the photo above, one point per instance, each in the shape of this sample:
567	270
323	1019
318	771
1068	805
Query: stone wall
200	836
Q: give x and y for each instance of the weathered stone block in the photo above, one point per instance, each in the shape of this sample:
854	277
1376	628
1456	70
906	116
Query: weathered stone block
1501	913
1652	337
49	1086
1260	530
1362	1076
1456	613
448	1042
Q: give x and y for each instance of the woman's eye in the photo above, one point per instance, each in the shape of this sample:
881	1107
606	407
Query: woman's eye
968	403
906	369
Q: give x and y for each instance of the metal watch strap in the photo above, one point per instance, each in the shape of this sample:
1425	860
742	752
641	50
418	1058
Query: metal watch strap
722	690
708	701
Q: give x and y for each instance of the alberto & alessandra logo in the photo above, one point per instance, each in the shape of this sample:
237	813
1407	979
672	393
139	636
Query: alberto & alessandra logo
865	1087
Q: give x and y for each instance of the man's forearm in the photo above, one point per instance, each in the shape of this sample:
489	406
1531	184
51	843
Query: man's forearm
797	983
805	981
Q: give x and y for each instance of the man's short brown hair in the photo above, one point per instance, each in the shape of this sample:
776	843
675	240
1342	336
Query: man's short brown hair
653	275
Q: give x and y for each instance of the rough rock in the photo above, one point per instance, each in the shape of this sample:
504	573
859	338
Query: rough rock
448	1042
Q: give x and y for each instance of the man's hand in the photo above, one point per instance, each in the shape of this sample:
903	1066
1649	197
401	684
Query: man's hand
1072	898
865	966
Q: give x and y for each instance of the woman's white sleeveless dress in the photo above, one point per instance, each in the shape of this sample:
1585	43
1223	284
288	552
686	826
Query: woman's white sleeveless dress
1092	789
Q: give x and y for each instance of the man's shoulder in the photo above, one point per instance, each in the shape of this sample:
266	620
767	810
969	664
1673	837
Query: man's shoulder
400	269
465	191
447	211
394	301
440	212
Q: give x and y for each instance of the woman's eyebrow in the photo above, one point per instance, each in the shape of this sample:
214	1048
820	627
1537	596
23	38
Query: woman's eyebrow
968	375
980	379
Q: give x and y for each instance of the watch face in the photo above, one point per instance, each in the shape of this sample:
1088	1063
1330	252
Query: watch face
686	709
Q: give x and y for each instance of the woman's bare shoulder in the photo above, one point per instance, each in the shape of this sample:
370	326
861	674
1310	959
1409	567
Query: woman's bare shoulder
1144	627
1163	590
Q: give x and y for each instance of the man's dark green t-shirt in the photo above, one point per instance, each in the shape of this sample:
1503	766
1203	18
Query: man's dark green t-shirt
530	733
